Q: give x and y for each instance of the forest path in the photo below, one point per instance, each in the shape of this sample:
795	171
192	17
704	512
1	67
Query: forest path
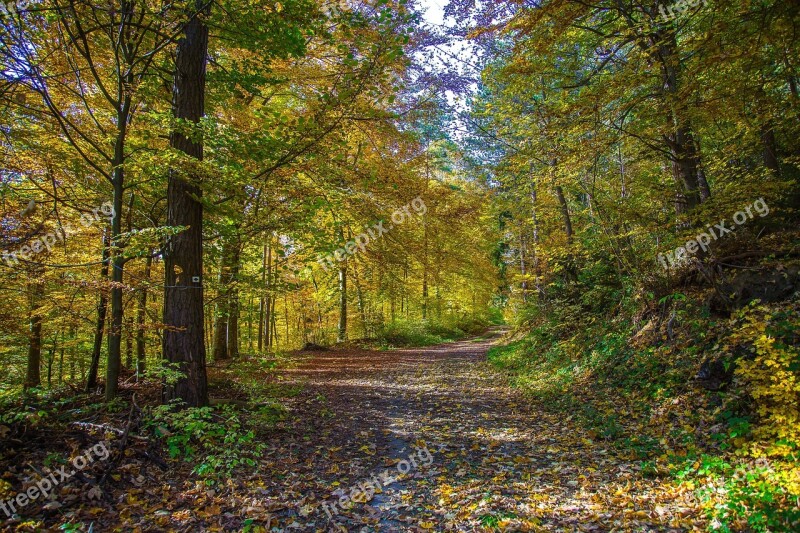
476	455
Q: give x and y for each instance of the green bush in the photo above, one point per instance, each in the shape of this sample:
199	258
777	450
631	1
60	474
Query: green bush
217	441
429	332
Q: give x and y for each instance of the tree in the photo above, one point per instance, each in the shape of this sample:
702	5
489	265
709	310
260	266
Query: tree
184	343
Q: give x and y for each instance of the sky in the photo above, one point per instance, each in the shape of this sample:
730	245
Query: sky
434	10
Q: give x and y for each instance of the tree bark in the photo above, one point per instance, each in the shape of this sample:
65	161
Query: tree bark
141	314
562	202
263	300
268	310
686	159
117	259
343	302
522	267
273	339
129	326
183	255
220	348
33	377
424	271
102	310
233	301
537	274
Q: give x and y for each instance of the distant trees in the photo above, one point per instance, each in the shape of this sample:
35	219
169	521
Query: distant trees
231	163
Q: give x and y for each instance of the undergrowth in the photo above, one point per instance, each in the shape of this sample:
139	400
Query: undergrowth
634	385
401	333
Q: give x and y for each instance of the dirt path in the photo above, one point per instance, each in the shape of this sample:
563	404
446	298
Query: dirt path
409	440
476	455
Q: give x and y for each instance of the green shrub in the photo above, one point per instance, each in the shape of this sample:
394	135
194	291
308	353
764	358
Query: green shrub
429	332
217	441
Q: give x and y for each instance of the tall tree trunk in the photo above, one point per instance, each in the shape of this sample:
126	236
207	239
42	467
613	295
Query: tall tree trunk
250	324
61	360
536	240
183	255
73	352
392	300
33	377
233	299
522	267
362	309
102	310
220	348
141	314
51	359
342	337
268	310
562	202
274	337
686	159
117	259
129	342
424	271
263	301
286	315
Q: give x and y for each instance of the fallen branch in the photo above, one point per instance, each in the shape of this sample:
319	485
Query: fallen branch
123	442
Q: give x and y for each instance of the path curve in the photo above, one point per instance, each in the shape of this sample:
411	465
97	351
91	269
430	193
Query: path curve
478	455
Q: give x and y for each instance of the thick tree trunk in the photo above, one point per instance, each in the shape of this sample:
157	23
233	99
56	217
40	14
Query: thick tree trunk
102	310
686	159
33	376
183	255
685	166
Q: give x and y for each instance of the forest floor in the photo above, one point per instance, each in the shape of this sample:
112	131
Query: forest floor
486	457
476	455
